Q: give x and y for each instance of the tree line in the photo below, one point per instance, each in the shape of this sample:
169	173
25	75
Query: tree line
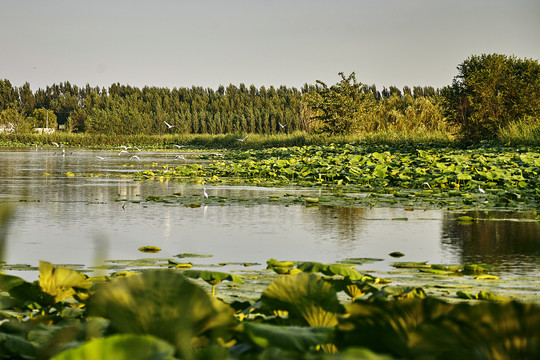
489	91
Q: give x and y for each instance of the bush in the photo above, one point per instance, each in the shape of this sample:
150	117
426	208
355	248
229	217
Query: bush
490	92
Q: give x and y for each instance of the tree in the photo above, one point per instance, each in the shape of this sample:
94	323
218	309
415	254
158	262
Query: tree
77	121
13	120
44	118
491	91
336	107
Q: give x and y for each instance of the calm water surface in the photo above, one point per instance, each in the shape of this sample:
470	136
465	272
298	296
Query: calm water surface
80	220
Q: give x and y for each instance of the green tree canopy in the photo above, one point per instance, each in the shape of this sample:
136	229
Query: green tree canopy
335	108
491	91
44	118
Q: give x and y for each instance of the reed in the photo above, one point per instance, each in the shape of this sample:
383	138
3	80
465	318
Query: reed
228	141
525	131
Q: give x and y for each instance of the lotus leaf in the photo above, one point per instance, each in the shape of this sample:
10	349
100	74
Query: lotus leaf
295	338
307	298
60	282
275	263
422	264
149	249
120	347
212	277
165	304
487	277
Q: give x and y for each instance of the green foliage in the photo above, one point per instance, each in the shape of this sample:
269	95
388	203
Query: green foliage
491	91
12	120
337	108
120	347
43	118
164	304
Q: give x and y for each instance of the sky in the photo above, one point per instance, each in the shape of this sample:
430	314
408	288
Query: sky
208	43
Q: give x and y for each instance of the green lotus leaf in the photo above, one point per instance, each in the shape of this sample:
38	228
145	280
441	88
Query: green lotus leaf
17	347
307	298
465	219
476	268
354	288
312	266
275	263
422	264
486	295
7	282
465	295
436	271
345	271
212	277
163	303
149	249
295	338
61	282
120	347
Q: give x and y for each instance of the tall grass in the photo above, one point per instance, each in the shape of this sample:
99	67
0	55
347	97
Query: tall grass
229	141
525	131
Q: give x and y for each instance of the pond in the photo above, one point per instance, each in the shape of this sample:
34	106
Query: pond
67	218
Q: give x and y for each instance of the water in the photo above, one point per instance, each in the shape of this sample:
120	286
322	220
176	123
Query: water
86	220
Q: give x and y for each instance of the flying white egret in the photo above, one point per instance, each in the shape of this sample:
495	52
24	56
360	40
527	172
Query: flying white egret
179	157
242	139
125	147
100	157
282	126
179	146
135	157
57	144
169	125
122	152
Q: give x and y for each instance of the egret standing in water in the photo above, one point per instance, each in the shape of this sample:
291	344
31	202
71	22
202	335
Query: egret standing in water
204	193
482	191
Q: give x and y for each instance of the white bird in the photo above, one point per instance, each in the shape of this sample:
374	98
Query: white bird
169	125
122	152
100	157
135	157
57	144
282	126
482	191
181	157
216	154
204	193
179	146
137	148
125	147
242	139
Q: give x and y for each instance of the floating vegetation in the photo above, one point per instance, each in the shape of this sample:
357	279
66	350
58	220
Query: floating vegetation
162	313
189	255
149	249
396	254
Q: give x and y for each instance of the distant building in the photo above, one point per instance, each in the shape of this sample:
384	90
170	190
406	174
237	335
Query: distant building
7	129
44	130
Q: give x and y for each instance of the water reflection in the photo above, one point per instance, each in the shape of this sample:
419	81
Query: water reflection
508	240
83	220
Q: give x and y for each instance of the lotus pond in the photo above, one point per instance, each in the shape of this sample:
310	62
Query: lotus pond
361	224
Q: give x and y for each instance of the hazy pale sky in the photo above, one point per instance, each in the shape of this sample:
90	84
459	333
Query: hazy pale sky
208	43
